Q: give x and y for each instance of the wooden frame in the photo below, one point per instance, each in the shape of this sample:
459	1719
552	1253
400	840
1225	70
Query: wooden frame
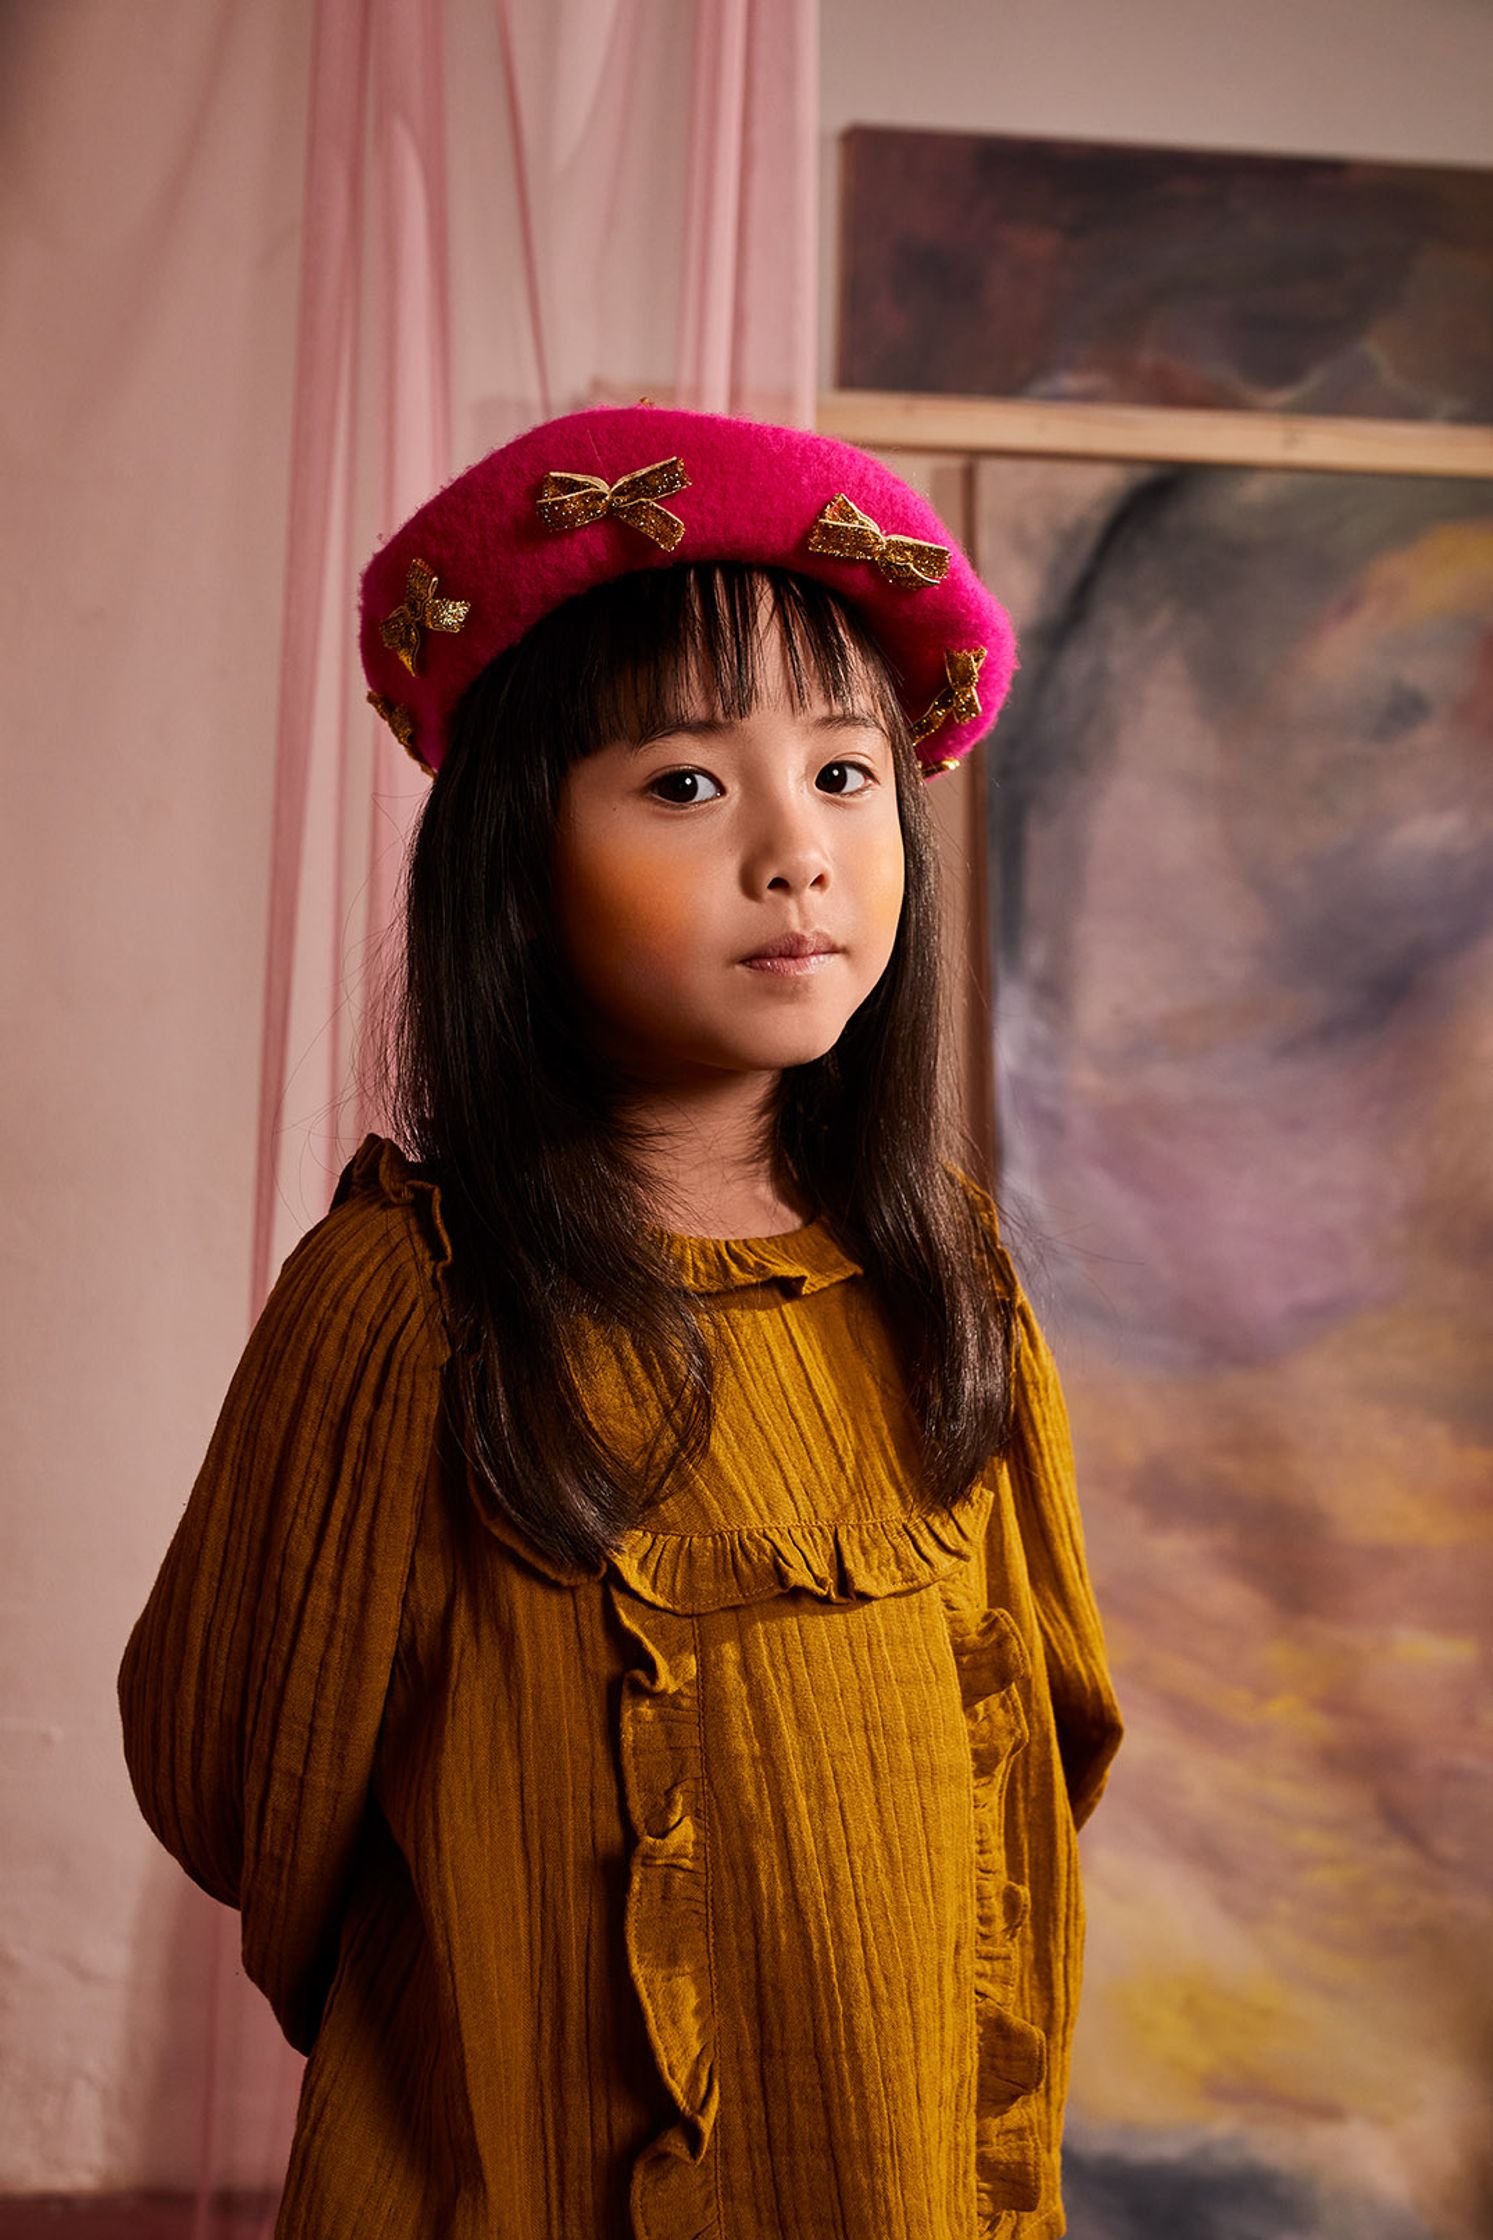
1035	428
945	437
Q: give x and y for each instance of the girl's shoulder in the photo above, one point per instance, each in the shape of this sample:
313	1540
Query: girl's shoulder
381	1250
379	1180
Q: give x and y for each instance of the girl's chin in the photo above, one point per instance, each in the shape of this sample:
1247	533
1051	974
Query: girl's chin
756	1031
754	1053
776	1053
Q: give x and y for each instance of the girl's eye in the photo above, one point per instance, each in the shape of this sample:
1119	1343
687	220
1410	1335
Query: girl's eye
685	786
840	775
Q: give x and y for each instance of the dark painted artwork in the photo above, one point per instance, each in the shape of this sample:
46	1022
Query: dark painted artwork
1241	886
982	265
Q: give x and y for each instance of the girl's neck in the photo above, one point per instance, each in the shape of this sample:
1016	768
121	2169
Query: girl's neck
706	1153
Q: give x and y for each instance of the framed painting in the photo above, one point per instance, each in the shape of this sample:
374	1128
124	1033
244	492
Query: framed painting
985	265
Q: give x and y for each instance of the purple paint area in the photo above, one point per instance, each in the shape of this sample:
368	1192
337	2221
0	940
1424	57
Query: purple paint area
1241	884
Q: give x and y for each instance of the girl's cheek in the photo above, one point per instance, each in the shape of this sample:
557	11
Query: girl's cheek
630	911
882	887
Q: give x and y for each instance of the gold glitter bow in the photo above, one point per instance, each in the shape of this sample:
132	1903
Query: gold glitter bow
852	535
958	698
419	610
570	501
402	724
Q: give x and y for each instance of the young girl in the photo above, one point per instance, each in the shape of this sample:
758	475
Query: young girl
628	1652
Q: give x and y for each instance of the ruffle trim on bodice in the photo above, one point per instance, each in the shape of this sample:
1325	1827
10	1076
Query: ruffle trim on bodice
839	1561
674	2178
1012	2053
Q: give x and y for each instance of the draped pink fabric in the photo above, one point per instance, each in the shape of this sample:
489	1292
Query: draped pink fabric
369	416
747	315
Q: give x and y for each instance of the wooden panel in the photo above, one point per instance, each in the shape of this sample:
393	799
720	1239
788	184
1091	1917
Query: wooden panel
880	421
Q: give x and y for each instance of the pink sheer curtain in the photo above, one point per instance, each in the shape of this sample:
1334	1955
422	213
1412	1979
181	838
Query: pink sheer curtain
372	416
750	251
651	219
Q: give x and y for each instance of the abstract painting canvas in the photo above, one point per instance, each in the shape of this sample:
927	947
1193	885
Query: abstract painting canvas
1240	848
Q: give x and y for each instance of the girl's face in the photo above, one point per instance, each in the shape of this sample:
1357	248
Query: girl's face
680	858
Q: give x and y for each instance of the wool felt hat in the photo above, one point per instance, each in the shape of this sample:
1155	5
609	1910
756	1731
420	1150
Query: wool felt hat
599	494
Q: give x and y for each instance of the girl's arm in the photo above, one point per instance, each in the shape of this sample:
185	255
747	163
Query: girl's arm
1088	1717
1045	1497
253	1684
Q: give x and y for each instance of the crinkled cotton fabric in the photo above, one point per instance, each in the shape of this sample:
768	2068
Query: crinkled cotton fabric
729	1891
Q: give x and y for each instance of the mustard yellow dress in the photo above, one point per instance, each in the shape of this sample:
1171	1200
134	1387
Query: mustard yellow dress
729	1892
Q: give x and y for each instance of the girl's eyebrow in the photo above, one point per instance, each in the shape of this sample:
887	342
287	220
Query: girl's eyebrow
707	727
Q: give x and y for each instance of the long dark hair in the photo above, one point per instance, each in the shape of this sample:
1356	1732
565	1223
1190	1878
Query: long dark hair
497	1092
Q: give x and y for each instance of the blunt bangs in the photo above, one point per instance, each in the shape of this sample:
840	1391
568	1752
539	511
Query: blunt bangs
640	654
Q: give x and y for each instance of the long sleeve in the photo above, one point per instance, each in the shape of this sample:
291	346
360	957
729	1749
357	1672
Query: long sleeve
1045	1495
252	1687
1043	1486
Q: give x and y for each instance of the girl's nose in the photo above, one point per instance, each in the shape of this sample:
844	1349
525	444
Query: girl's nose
787	855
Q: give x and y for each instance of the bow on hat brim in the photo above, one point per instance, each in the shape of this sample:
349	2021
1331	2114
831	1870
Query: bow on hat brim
957	700
573	501
843	530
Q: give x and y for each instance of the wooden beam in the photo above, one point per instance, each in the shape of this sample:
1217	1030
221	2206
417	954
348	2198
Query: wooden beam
1034	427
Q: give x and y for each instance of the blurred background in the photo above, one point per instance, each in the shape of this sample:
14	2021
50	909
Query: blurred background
1220	891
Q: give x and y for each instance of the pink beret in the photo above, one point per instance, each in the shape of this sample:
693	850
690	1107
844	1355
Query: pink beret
597	494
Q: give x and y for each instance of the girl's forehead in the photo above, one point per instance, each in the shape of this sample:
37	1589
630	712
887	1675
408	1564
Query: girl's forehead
716	647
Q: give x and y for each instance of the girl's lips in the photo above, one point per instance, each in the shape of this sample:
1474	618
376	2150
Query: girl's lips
790	967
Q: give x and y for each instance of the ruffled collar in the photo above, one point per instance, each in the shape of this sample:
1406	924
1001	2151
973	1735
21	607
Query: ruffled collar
805	1259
